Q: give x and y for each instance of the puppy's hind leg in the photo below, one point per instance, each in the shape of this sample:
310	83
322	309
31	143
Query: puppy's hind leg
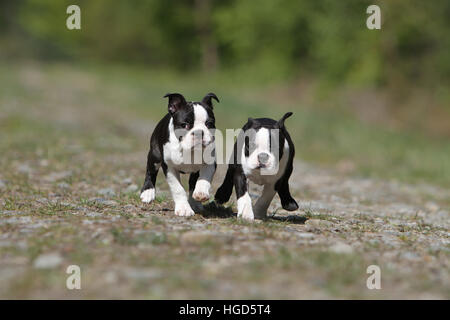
148	189
195	205
223	194
282	186
287	202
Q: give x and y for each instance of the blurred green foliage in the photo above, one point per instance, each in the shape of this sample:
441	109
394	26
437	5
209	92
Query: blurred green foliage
269	39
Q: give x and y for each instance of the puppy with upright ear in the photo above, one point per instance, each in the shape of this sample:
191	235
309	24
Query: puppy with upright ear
207	99
176	102
263	154
187	128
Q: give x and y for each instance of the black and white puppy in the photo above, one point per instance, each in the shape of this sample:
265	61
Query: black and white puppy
263	153
187	128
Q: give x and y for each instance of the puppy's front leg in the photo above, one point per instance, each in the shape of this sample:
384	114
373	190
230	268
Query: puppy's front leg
244	202
201	191
182	207
263	203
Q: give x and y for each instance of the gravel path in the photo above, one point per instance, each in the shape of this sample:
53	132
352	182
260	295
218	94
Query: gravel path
127	249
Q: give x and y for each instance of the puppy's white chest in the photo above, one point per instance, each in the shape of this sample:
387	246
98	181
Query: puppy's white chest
257	176
186	162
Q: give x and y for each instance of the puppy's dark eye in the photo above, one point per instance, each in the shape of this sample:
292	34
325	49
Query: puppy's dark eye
185	125
209	124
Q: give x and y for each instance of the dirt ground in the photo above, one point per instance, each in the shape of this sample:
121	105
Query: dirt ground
70	171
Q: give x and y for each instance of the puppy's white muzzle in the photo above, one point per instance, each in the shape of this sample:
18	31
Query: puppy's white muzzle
197	137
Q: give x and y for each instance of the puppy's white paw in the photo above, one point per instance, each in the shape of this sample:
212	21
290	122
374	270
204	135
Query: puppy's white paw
183	210
246	213
245	210
201	191
148	195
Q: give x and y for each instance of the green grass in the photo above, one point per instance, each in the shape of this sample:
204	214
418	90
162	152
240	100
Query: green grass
324	137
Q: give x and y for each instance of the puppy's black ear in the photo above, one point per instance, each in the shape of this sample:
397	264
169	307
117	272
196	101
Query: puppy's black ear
250	121
176	101
207	99
281	121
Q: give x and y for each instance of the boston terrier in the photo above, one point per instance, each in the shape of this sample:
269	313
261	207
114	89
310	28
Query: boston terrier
187	129
263	153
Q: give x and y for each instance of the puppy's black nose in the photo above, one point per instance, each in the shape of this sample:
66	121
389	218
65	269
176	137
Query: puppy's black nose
263	157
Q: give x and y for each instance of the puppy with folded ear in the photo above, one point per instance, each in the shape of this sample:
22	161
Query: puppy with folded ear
186	130
263	154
